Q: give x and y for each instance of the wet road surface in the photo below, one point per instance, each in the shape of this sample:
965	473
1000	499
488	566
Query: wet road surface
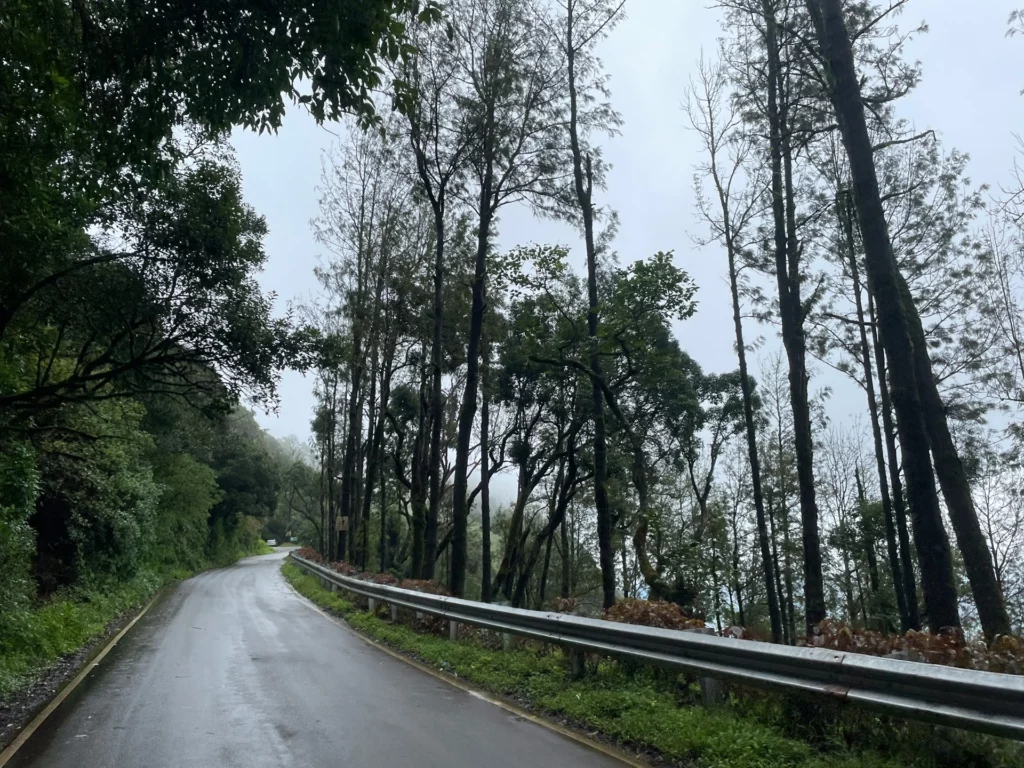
232	668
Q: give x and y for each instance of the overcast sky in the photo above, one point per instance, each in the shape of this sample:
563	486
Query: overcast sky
970	94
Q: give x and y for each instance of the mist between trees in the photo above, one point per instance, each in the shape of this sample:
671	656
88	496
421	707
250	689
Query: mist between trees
131	324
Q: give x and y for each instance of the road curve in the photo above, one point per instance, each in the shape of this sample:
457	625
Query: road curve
232	668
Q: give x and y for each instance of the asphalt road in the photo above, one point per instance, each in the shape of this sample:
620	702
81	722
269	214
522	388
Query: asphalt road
232	668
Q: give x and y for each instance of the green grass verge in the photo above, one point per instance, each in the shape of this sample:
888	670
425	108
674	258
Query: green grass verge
31	641
638	708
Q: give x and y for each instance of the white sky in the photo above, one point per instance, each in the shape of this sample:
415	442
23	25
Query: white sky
970	94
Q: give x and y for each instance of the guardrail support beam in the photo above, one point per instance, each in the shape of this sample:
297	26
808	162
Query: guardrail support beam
713	692
372	604
506	641
394	613
453	630
577	664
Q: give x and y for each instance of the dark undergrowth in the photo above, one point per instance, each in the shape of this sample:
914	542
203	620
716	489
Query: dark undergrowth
655	711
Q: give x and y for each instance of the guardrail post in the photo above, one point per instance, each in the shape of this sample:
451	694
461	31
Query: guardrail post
577	665
713	692
394	613
372	603
453	630
506	641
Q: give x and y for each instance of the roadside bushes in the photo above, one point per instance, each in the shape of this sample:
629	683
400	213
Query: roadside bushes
19	481
651	613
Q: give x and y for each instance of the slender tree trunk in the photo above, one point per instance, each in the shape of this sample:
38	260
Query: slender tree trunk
774	613
419	471
787	639
353	431
898	505
467	411
956	490
716	589
737	587
336	538
883	282
566	560
791	312
383	546
544	572
485	479
436	406
788	572
787	564
584	186
323	505
892	550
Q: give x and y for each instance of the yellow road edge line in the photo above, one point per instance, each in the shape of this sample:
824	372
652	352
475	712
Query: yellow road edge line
38	720
568	733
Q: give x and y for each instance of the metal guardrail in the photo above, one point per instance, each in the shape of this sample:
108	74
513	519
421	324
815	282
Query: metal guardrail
986	702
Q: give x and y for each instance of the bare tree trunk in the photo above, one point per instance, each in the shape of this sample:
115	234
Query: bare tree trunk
956	490
786	621
883	281
898	505
436	407
752	452
485	481
566	560
467	411
544	571
847	214
788	572
418	472
584	186
791	311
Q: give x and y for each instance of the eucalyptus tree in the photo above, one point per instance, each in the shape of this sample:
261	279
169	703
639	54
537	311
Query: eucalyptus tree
764	58
834	46
512	107
584	23
442	138
730	215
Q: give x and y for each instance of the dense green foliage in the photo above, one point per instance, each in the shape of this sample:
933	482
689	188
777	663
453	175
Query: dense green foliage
656	711
131	320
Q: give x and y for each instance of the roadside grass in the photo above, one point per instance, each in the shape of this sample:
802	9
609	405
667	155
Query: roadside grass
33	640
656	711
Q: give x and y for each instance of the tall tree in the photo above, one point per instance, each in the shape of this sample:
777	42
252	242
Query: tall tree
584	23
729	216
512	108
836	50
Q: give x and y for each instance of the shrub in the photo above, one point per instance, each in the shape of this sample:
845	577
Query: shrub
948	647
651	613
